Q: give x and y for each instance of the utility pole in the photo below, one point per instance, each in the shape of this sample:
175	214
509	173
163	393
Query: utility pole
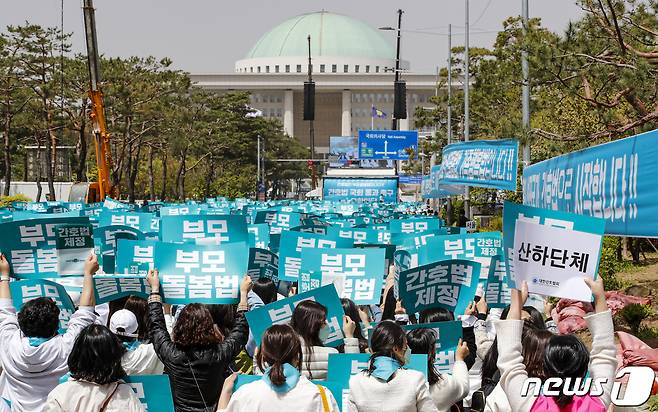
258	181
526	87
397	66
311	131
467	192
449	125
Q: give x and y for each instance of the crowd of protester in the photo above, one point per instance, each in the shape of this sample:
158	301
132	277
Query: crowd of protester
203	349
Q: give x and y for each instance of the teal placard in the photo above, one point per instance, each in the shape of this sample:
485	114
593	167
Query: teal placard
291	245
23	291
204	228
447	339
281	311
450	284
153	391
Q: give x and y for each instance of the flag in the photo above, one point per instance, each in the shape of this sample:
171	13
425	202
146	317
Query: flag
378	113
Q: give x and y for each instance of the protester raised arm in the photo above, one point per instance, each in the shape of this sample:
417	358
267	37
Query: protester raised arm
5	292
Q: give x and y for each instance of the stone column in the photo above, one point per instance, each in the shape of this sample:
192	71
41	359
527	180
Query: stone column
346	120
288	122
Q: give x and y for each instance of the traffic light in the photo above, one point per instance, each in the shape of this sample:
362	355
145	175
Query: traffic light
309	100
400	102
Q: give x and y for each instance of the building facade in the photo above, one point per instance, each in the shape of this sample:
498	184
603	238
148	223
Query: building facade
353	69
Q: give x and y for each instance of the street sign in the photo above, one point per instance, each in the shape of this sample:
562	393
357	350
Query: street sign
387	144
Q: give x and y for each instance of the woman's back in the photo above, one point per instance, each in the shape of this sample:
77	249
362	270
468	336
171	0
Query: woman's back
259	397
407	391
81	396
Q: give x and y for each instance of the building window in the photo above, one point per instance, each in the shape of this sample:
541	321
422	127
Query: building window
345	67
287	68
276	68
299	68
334	68
356	68
367	69
322	68
258	69
376	69
251	69
267	69
279	112
278	99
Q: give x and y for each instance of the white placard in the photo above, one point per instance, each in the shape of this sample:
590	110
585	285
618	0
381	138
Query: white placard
555	260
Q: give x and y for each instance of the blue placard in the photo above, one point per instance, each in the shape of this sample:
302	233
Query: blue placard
447	339
30	245
259	235
204	229
602	181
144	222
363	271
360	190
387	144
484	163
414	224
105	243
281	311
290	250
25	290
450	284
153	391
497	292
278	220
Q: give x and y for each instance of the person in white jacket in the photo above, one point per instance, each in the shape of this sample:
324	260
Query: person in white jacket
309	320
386	386
446	390
565	356
96	373
32	354
282	387
140	358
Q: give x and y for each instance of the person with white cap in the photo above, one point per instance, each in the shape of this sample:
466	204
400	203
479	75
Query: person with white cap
140	358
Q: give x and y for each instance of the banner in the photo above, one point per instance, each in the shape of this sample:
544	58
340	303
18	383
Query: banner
360	190
497	292
153	391
560	249
387	144
484	163
343	151
290	250
281	311
361	271
23	291
31	245
479	247
74	244
447	339
450	284
342	366
614	181
204	229
432	189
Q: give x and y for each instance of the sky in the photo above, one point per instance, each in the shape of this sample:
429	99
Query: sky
208	36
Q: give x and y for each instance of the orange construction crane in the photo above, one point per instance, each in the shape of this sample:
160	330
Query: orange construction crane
96	191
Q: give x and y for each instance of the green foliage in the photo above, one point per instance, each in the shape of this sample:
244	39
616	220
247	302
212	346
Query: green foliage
634	314
610	265
652	403
495	225
645	332
6	201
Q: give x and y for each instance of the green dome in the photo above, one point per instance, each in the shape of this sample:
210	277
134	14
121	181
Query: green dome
331	35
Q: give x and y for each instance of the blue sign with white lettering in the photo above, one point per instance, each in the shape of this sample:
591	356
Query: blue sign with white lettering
614	181
360	190
387	144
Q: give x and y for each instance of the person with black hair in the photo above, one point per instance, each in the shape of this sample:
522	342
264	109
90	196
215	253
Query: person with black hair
265	289
565	356
468	335
386	385
353	312
140	357
309	320
446	390
282	387
33	354
195	356
96	372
